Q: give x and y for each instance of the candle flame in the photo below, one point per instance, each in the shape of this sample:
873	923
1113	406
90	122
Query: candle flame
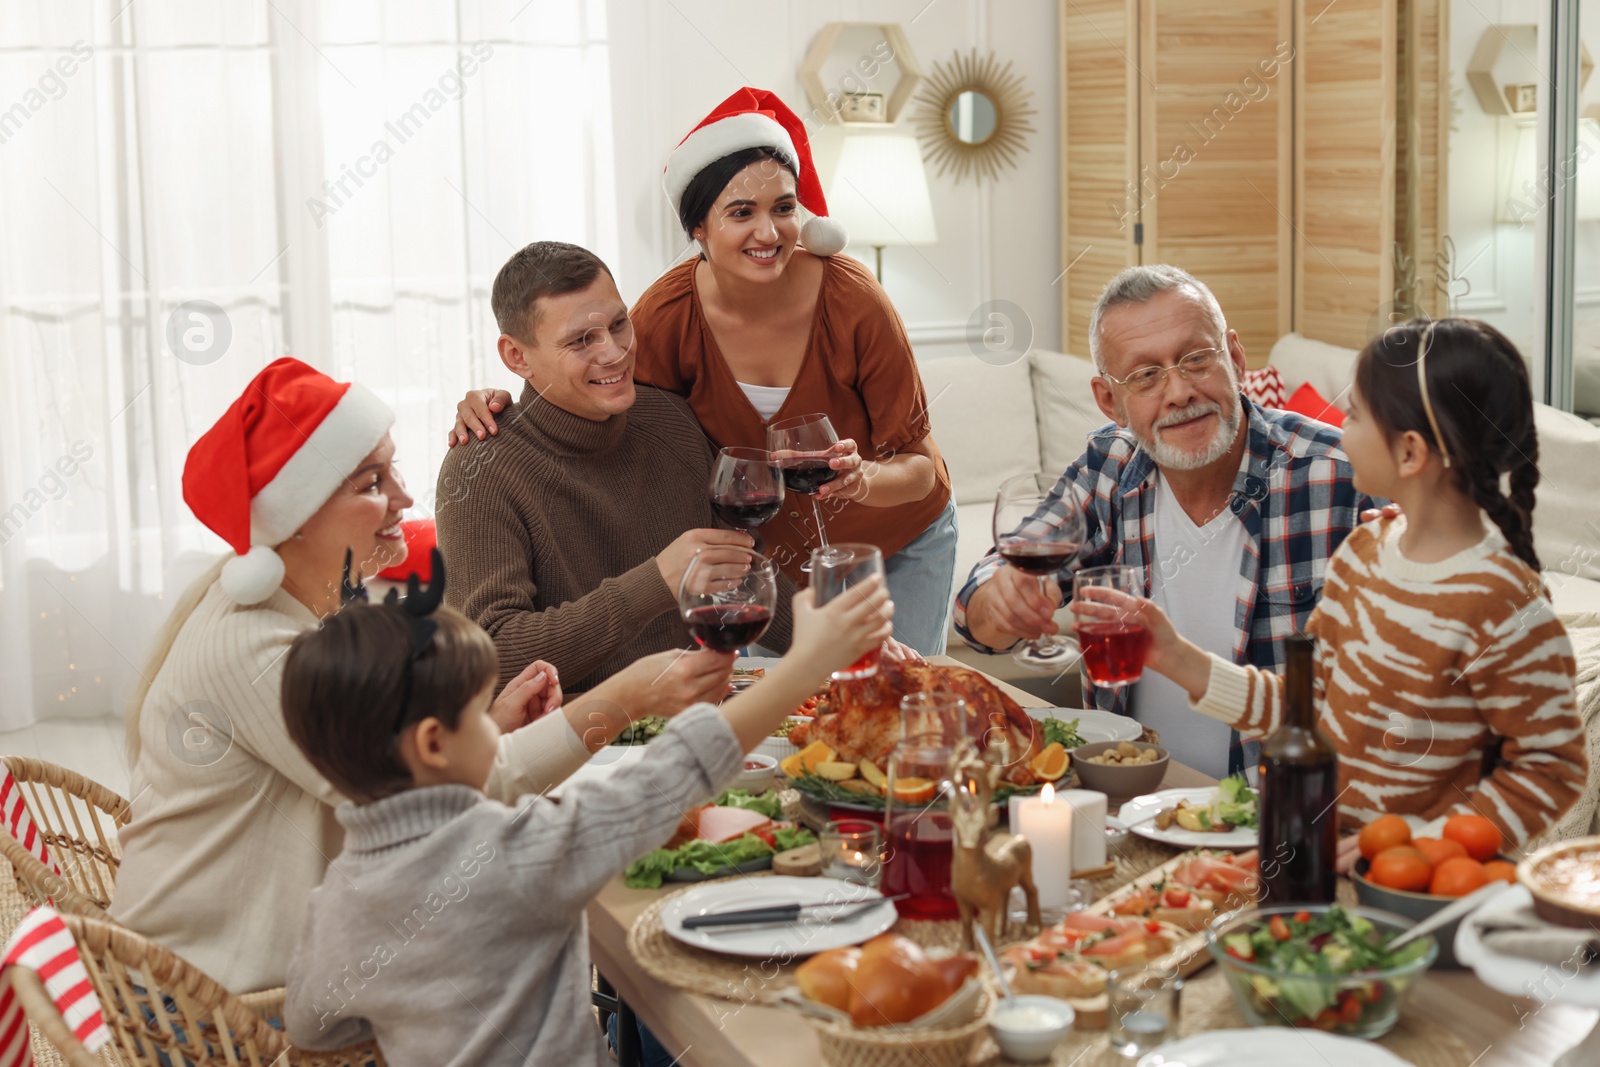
1048	793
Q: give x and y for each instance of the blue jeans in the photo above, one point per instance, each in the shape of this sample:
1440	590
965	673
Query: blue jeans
922	579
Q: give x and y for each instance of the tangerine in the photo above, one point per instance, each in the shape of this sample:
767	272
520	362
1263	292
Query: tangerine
1437	849
1401	867
1501	871
1480	837
1457	877
1051	763
1384	832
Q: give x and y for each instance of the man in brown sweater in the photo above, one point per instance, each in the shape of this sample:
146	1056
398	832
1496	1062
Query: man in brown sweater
567	534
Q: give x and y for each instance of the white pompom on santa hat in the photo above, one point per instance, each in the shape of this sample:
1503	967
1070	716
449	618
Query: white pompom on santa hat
756	118
273	459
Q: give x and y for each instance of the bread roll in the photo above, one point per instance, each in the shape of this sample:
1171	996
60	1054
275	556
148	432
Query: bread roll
828	977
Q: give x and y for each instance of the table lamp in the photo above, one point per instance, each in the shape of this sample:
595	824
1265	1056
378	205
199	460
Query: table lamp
880	193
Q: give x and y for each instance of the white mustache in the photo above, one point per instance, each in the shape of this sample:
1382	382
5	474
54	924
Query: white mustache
1193	411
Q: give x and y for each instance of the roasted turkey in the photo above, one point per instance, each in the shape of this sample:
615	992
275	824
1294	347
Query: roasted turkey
860	720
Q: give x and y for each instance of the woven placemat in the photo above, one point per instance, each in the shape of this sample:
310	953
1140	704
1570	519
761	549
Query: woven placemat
760	981
1208	1005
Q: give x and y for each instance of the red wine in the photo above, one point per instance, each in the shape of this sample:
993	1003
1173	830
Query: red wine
728	627
1113	653
807	475
921	845
747	512
1036	557
1299	794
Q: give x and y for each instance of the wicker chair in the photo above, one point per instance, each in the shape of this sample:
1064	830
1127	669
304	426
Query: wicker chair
78	819
158	1005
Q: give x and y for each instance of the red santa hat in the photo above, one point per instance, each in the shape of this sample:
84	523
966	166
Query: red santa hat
756	118
273	459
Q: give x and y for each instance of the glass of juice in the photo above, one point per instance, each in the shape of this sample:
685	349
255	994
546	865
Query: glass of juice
1114	644
835	568
916	818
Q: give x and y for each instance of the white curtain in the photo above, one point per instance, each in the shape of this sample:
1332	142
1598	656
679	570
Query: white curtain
340	181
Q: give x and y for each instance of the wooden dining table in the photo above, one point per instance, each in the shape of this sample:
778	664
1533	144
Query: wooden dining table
1500	1031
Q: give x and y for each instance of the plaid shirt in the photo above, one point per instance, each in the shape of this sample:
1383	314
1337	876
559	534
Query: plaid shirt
1293	493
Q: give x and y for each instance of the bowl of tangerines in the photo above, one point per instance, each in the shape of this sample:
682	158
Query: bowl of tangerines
1416	876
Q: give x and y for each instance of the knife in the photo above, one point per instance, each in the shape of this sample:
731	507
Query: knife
784	913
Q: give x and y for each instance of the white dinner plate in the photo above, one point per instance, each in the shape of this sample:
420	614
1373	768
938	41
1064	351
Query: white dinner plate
1269	1046
1093	724
1146	806
1516	975
782	942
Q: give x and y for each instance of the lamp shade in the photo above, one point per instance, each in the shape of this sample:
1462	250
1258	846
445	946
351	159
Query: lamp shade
880	191
1526	182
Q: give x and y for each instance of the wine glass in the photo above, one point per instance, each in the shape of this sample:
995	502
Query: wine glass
1038	528
1114	647
746	488
800	445
727	597
835	568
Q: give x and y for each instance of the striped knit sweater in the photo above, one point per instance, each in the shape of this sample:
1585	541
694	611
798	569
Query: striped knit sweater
1422	670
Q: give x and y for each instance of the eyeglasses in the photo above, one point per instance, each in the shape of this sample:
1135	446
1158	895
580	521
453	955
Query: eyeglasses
1192	365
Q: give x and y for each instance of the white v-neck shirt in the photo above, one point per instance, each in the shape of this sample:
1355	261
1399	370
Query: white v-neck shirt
766	399
1194	578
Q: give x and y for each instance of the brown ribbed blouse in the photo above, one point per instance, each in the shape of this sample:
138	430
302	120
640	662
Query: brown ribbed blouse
858	369
549	532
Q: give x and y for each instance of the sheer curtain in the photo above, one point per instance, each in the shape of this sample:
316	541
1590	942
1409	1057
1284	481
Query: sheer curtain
190	189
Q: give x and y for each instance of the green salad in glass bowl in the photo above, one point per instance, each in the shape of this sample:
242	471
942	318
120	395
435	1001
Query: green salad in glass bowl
1319	965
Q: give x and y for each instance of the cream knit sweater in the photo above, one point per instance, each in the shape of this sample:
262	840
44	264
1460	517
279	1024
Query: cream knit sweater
232	828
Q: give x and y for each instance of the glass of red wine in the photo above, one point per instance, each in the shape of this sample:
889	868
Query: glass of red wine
801	446
1038	527
835	568
746	488
727	597
1114	646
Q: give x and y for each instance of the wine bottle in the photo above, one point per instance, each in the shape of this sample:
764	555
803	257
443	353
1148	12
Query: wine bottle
1299	793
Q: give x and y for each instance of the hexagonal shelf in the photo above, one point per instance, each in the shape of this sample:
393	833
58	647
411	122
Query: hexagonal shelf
1503	73
857	59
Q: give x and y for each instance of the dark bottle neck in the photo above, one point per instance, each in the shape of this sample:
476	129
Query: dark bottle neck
1299	708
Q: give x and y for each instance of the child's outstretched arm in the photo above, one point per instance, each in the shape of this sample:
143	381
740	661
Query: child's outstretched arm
826	639
1247	698
1522	680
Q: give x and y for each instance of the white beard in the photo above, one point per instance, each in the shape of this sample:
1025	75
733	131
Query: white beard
1178	459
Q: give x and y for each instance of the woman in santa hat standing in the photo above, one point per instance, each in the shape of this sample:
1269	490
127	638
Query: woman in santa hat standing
232	828
768	322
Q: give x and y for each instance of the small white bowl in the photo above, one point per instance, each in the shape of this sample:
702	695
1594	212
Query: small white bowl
1033	1042
759	771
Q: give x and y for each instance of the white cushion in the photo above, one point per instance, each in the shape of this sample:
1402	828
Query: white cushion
1067	411
983	421
1329	368
1566	520
1576	600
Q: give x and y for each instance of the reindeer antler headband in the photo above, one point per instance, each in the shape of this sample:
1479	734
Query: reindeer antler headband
419	605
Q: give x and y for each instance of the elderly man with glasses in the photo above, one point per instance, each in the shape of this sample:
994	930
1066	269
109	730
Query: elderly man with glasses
1233	510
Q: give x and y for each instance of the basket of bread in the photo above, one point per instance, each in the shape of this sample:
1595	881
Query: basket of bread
891	1003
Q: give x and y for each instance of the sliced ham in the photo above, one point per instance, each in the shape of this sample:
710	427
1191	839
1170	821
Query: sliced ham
718	824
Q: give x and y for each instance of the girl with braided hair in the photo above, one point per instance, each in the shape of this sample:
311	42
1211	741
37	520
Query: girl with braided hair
1443	676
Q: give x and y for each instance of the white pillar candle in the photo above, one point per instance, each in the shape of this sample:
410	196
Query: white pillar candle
1046	821
1089	815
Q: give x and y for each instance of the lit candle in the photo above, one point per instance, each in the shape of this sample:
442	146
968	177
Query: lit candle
1047	824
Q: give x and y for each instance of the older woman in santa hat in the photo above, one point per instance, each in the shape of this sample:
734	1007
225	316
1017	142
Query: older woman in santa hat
232	828
768	322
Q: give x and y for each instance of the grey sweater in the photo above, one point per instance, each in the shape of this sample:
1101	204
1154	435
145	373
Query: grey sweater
451	927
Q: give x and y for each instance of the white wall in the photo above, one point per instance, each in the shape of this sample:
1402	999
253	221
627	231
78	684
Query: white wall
672	62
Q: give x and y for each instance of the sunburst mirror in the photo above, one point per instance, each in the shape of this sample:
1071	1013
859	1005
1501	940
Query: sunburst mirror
972	116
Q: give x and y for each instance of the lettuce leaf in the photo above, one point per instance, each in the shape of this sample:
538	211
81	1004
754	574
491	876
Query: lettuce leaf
649	871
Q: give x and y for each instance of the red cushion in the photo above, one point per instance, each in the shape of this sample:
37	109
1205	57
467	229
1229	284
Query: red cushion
420	539
1310	403
1264	386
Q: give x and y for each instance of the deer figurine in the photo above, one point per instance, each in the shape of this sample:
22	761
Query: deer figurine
985	865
